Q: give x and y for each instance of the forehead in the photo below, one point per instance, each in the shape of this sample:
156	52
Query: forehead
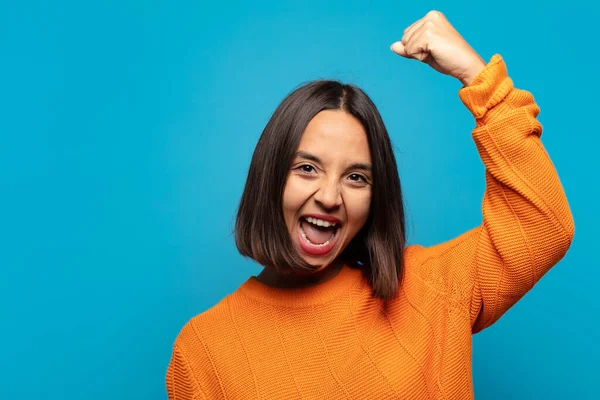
336	133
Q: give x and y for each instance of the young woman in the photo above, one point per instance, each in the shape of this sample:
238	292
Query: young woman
342	309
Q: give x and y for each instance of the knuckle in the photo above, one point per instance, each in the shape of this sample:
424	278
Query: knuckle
434	14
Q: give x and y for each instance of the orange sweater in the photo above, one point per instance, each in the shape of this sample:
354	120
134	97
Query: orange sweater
331	341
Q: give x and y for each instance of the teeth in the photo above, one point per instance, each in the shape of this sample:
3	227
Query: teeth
320	222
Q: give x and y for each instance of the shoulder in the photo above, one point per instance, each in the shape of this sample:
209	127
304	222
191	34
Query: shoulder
454	247
446	267
205	326
199	347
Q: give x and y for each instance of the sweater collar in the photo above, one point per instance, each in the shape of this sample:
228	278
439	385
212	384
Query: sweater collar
346	279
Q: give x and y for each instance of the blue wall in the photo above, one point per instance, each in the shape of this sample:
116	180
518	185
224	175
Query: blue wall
126	132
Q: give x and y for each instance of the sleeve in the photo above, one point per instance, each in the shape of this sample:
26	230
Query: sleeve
527	224
181	384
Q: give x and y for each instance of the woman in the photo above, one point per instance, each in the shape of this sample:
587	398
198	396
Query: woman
342	309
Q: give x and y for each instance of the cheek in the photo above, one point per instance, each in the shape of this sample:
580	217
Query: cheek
358	207
295	195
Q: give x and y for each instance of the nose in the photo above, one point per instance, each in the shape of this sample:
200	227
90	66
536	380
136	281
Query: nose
329	194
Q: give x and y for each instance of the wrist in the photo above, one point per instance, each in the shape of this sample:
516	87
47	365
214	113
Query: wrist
468	77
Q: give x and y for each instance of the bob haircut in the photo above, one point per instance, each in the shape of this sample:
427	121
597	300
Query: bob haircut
260	230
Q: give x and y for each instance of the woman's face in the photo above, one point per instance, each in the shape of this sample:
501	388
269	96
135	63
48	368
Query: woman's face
329	182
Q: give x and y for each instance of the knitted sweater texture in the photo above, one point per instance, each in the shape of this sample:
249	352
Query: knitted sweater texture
333	341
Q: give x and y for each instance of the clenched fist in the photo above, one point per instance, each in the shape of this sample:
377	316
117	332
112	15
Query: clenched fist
434	41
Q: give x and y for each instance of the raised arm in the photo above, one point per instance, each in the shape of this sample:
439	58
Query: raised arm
527	224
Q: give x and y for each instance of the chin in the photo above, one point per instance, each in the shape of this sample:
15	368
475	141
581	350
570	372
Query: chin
319	262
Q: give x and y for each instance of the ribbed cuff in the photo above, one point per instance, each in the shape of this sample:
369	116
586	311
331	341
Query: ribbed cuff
489	87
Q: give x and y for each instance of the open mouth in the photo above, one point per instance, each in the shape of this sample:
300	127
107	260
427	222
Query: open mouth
317	237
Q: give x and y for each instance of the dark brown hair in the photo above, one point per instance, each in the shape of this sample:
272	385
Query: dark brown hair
260	230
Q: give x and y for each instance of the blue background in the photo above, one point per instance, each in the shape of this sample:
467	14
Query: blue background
127	129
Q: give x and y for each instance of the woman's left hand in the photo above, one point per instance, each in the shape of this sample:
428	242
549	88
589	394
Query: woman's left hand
434	41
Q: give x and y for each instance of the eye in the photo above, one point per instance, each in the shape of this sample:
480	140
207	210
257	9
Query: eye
306	168
358	178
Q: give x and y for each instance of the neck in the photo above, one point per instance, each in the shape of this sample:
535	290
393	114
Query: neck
270	276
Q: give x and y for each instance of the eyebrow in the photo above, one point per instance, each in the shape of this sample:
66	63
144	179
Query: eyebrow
308	156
